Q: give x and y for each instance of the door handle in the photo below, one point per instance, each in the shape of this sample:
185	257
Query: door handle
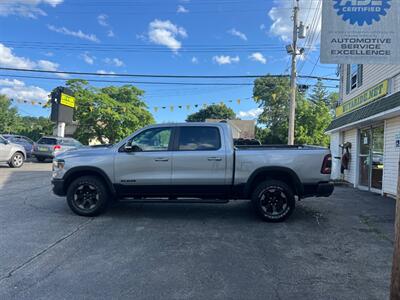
214	159
161	159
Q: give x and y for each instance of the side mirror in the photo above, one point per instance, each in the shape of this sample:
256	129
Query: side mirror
6	142
131	147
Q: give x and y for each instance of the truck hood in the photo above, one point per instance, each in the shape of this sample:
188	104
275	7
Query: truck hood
85	152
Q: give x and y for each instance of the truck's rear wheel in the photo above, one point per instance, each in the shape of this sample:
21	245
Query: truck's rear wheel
87	196
273	201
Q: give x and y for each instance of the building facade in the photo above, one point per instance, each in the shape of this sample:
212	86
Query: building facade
367	126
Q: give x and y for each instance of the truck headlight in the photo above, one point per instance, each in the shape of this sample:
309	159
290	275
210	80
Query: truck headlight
58	164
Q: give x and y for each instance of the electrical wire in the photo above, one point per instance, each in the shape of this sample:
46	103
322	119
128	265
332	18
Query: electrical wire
163	76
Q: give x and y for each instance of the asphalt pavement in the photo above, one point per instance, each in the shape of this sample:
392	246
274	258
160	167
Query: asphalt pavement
331	248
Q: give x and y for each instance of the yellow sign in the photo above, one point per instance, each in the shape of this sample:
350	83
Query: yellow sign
67	100
366	97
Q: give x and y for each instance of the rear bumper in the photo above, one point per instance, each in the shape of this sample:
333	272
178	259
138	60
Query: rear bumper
321	189
42	155
58	187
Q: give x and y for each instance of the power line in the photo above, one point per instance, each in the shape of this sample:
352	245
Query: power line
144	82
164	76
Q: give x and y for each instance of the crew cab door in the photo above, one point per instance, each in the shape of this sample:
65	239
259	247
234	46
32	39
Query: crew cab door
148	170
199	161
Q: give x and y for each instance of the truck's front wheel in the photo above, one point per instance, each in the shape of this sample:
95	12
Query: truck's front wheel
273	200
87	196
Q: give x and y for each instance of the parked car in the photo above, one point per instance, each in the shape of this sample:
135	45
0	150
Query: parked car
11	153
24	141
49	147
192	160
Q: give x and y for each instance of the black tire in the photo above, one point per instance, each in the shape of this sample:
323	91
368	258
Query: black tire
17	160
88	196
40	159
273	201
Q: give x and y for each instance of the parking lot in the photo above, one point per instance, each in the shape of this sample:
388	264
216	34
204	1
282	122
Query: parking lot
334	248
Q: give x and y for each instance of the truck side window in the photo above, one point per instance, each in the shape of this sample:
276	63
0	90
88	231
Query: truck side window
199	139
155	139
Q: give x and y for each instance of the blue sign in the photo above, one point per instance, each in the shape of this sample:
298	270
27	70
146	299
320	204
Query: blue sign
362	11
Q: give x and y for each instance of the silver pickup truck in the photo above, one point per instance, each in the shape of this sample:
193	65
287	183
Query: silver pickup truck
192	162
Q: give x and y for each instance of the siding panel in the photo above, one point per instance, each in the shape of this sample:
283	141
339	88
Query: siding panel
372	75
351	136
392	156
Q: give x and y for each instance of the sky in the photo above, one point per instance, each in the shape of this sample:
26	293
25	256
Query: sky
167	37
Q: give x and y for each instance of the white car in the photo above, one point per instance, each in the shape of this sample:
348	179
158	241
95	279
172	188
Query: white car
12	154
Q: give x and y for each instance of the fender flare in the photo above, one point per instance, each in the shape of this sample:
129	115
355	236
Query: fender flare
299	189
68	176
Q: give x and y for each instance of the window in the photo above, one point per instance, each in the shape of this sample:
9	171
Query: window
156	139
199	138
47	141
354	77
2	140
70	142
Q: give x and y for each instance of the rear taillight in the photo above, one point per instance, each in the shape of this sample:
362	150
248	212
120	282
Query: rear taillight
57	147
327	165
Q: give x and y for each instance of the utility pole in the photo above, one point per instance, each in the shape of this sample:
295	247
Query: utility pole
395	286
293	76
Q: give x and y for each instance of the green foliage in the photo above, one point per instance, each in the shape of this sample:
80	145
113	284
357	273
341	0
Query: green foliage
313	115
9	120
108	114
216	111
35	128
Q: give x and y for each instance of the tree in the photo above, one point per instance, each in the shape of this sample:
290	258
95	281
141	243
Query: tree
312	115
272	94
9	119
215	111
35	128
108	114
319	93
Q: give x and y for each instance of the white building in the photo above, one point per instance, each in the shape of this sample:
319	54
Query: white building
368	117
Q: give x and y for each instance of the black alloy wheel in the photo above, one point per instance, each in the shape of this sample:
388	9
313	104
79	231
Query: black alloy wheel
273	201
87	196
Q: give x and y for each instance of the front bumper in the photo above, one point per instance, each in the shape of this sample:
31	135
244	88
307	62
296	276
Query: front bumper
321	189
58	187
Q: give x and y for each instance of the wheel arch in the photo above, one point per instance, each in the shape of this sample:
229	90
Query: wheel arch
76	172
284	174
19	151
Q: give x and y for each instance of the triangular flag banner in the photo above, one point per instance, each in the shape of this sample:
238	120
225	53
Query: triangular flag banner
171	108
164	107
205	105
188	107
180	106
196	105
274	96
155	109
33	102
238	101
256	98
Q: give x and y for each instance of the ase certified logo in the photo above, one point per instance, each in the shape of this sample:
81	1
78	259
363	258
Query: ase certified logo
362	11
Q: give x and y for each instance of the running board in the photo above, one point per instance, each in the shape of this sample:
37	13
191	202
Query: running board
174	201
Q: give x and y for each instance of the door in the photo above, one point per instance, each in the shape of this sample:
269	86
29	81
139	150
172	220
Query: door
199	161
5	150
145	172
371	158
